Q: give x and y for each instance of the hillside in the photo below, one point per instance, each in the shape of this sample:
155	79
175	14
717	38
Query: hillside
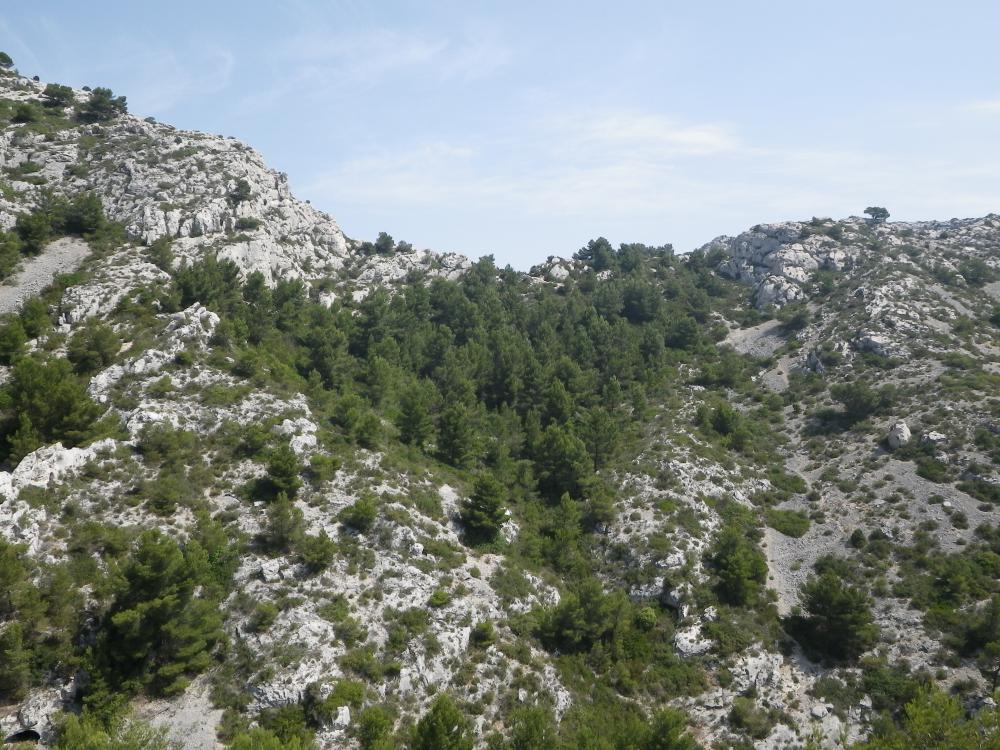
268	486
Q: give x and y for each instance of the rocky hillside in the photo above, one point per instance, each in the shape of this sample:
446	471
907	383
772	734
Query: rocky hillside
266	486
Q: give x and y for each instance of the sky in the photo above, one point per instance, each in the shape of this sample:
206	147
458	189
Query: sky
524	129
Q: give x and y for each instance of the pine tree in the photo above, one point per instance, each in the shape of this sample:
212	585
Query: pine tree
283	471
740	566
456	436
484	513
15	663
839	622
414	420
563	463
284	524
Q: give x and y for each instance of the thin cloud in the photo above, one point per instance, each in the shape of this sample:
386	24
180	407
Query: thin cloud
368	56
640	169
652	135
984	106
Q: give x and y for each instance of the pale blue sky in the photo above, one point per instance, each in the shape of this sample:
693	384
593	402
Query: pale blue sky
525	128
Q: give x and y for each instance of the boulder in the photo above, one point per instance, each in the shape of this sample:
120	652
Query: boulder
814	363
935	439
343	718
899	435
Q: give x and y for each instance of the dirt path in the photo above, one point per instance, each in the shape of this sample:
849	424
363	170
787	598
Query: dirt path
61	256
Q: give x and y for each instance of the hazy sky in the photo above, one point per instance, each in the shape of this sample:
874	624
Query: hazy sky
523	129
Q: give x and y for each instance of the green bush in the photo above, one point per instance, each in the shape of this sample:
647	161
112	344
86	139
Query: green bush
263	617
27	112
46	403
57	95
247	223
739	564
15	663
861	401
746	716
439	598
482	635
284	471
12	340
101	106
937	721
125	733
93	347
361	515
263	739
316	551
443	727
793	523
240	192
373	729
284	525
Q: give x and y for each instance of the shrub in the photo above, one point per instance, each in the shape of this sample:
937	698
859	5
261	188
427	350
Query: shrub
15	663
101	106
6	61
745	715
47	403
739	564
90	733
35	317
439	598
793	523
361	515
35	230
240	193
937	721
26	112
374	727
283	471
247	223
160	254
482	635
93	347
263	739
263	617
316	551
57	95
12	340
860	400
443	727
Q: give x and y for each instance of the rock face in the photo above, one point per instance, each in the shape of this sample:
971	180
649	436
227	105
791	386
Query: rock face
779	259
203	191
207	193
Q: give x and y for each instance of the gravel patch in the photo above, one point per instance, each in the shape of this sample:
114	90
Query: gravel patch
61	256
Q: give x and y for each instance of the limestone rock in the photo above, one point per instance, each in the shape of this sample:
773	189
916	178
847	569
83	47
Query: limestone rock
899	435
934	438
689	642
